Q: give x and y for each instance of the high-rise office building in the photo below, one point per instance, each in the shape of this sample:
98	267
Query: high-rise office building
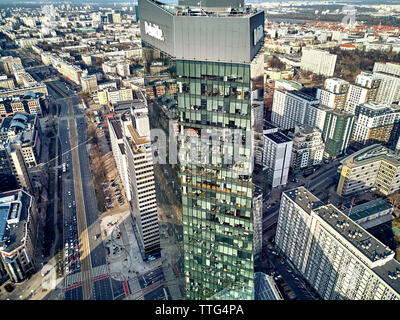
211	60
130	142
336	256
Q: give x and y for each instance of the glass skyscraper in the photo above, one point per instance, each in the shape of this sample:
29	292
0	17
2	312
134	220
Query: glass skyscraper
207	81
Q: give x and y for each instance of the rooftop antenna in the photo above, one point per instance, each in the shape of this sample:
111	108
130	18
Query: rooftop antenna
351	206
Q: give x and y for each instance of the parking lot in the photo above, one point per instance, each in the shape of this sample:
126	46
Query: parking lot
113	194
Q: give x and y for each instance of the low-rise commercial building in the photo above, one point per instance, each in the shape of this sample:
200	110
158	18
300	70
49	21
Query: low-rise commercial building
371	213
38	87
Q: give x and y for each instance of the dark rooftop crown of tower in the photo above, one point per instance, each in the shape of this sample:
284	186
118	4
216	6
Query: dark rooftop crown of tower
212	3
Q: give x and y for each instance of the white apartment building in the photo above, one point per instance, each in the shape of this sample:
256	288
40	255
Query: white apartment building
334	93
123	68
364	90
89	83
336	256
389	89
276	158
119	153
136	136
291	108
120	67
318	61
308	147
388	67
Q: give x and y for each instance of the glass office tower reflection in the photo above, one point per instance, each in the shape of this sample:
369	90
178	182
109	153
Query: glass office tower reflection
206	92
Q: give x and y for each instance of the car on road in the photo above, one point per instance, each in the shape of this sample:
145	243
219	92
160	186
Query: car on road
66	246
69	193
66	253
67	270
78	265
69	205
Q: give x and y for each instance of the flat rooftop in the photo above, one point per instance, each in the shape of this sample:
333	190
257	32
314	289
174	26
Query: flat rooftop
368	209
374	152
366	243
304	198
278	137
303	95
268	125
12	226
116	125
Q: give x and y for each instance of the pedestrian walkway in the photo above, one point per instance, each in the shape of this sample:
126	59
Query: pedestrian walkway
72	279
100	271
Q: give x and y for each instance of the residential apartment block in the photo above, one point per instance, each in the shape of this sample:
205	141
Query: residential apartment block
318	61
277	157
365	89
131	145
291	108
89	83
374	167
337	257
374	122
334	93
336	130
308	147
23	130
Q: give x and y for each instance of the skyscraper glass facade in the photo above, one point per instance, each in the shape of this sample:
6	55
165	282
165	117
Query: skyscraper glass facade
205	85
216	192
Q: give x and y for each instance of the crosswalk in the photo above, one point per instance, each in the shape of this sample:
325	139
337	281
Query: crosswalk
99	271
72	279
75	278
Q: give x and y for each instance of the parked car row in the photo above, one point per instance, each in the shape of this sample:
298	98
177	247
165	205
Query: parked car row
109	203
